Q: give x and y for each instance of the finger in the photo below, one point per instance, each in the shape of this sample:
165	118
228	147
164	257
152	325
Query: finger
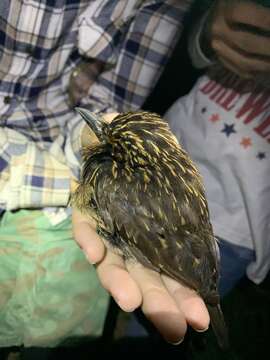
87	238
227	28
191	305
233	68
158	306
109	117
246	65
249	13
250	44
117	281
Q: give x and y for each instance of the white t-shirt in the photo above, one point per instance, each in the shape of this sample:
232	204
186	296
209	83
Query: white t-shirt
228	136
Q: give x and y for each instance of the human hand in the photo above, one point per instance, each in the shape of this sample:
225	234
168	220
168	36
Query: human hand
82	78
170	306
238	34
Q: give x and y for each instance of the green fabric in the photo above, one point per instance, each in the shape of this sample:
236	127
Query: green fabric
48	290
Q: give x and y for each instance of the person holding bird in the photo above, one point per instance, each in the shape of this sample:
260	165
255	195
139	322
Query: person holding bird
49	291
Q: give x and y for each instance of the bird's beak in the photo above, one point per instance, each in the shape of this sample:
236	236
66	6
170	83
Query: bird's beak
94	121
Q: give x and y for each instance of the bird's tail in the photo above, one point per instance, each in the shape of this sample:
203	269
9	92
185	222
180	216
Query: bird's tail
219	326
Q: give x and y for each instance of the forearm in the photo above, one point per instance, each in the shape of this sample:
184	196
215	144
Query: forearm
31	176
134	53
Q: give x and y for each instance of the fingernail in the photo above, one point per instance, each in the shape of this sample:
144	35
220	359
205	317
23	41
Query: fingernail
88	259
123	307
177	342
202	330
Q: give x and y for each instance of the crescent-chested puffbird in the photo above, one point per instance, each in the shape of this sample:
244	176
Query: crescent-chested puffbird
148	200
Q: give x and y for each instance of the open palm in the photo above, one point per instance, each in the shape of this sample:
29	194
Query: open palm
170	306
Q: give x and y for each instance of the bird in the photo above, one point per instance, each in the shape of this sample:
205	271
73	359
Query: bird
148	199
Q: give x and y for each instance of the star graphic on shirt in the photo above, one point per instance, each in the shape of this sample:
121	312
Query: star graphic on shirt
261	155
228	129
246	142
214	118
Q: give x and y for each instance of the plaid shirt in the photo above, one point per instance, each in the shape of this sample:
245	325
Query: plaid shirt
41	42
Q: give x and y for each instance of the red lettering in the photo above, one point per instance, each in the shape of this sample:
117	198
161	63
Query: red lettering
218	94
264	129
208	87
254	106
227	103
216	90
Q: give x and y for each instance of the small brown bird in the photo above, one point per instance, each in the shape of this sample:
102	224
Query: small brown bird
149	202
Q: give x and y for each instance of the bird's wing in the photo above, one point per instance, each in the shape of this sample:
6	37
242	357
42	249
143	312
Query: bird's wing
148	228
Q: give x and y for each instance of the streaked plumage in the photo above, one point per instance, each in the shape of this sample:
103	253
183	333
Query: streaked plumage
149	202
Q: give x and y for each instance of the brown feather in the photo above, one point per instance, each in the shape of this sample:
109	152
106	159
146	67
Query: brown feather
148	197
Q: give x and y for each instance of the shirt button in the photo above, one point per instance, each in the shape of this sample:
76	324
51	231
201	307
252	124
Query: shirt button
7	100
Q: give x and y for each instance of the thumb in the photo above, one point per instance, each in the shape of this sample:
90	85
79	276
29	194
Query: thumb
84	232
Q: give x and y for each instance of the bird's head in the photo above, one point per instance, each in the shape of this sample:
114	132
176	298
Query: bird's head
135	138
